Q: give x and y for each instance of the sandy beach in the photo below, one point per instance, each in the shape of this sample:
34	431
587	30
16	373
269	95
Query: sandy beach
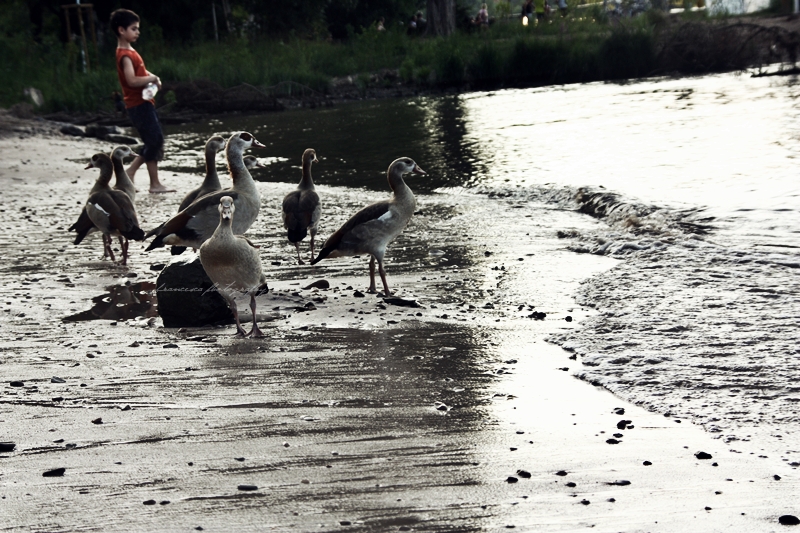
354	415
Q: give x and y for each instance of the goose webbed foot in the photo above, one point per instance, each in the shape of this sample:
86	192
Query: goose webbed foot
255	333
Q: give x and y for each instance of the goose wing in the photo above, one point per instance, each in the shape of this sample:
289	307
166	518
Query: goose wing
357	221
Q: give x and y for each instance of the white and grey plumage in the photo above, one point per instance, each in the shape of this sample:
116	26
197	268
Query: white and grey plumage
195	224
233	264
301	207
123	181
211	181
108	210
372	229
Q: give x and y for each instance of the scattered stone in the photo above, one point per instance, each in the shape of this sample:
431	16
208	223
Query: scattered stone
441	406
344	523
789	520
612	441
55	379
163	502
568	318
622	424
488	305
240	459
585	502
97	421
511	479
149	502
170	345
70	129
524	473
7	447
618	435
620	483
126	408
776	477
401	302
358	294
619	411
537	315
612	500
134	344
561	473
647	463
247	487
708	508
703	455
572	484
319	284
58	399
56	472
17	384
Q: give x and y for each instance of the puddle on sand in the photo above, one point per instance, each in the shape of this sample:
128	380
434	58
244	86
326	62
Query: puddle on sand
121	302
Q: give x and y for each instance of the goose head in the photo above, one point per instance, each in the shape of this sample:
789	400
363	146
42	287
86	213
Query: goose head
121	152
99	161
215	144
310	156
226	208
251	161
404	165
241	141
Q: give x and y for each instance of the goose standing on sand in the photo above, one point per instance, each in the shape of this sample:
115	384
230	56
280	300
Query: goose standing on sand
195	224
233	264
372	229
123	181
211	181
301	207
110	211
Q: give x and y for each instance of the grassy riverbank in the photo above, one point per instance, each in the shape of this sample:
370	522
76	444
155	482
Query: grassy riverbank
581	47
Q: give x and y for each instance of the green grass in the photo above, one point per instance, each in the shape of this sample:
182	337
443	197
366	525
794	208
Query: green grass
582	47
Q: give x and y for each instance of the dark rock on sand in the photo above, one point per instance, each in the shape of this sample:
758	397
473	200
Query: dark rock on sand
647	463
619	411
572	484
401	302
703	455
568	318
247	487
97	421
585	502
524	473
612	441
319	284
776	477
70	129
511	479
149	502
56	472
17	384
7	447
358	294
561	473
186	297
789	520
621	483
622	424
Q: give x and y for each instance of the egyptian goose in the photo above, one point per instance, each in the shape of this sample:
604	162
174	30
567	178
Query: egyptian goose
123	181
211	181
195	224
251	162
233	264
110	211
301	207
372	229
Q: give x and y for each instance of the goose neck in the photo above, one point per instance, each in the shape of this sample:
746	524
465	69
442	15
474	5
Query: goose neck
306	182
212	179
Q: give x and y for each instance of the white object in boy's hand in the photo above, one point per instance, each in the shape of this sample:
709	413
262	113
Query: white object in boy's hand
150	91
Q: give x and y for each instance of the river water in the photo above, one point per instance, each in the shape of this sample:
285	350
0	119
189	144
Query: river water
695	180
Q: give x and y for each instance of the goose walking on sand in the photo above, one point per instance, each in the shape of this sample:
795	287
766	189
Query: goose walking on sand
211	182
372	229
123	181
301	207
233	264
196	223
110	211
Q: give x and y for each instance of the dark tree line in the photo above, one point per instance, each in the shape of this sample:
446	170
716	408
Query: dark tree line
194	20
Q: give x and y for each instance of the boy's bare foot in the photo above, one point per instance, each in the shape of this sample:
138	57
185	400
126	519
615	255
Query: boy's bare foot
160	189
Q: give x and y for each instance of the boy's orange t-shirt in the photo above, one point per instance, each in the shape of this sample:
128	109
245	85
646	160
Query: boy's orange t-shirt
131	95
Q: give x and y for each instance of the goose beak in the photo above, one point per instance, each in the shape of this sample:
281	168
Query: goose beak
87	167
226	212
258	144
418	170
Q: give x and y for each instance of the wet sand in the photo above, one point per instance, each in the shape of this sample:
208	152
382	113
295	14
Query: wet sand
348	417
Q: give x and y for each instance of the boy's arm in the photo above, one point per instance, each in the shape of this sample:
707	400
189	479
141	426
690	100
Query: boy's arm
134	80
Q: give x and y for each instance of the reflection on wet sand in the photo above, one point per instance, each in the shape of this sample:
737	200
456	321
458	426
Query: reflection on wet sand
122	302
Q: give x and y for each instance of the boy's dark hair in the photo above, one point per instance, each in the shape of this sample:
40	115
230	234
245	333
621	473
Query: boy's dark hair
123	18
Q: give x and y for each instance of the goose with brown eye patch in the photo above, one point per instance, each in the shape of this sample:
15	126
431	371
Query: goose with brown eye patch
372	229
109	211
301	208
123	181
211	181
197	222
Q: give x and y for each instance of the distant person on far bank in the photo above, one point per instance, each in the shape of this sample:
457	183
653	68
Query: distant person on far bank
134	78
562	7
482	18
381	26
541	9
527	10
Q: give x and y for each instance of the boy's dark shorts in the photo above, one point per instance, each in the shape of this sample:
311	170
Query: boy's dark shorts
145	120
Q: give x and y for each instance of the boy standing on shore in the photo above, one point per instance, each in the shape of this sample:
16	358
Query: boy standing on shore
133	77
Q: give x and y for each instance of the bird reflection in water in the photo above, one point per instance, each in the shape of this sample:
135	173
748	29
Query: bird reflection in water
122	302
